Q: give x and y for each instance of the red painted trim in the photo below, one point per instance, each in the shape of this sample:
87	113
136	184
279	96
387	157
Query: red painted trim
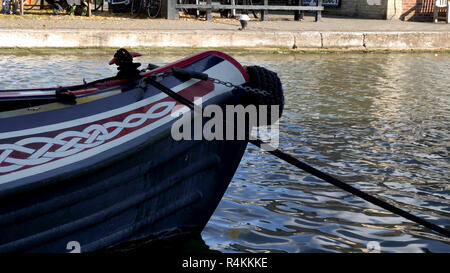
184	62
233	61
112	61
199	56
25	95
111	83
9	94
39	89
180	63
196	90
82	92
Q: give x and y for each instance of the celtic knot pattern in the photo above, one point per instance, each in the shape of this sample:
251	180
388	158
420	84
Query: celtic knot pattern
72	142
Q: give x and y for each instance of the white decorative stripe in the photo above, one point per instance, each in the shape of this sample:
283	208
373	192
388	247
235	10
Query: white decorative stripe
90	137
96	117
95	136
216	71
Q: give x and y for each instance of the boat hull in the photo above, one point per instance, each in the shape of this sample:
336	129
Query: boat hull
167	185
91	176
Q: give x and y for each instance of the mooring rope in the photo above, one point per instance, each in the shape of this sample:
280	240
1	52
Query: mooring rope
346	187
299	164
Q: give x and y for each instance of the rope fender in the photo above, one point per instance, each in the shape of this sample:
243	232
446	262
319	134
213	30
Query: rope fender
265	89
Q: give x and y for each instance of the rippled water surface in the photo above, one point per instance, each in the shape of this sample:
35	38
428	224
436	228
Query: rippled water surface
380	122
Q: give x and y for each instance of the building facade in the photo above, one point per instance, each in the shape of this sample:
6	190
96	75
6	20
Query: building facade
407	10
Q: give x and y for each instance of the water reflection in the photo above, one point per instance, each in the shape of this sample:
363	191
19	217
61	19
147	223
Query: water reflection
378	121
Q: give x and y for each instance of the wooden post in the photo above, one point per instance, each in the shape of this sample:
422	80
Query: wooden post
233	11
302	12
319	12
172	12
197	11
208	11
89	12
265	13
448	12
21	7
297	14
435	12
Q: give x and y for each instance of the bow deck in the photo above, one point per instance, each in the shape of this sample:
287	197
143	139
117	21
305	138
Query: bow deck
104	169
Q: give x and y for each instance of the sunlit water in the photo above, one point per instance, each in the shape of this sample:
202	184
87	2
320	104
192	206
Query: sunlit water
380	122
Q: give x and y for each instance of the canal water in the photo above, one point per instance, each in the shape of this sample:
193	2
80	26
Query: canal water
378	121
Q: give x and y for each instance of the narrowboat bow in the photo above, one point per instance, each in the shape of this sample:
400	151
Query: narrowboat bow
91	166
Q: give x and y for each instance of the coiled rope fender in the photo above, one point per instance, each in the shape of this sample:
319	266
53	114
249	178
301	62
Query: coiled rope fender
264	88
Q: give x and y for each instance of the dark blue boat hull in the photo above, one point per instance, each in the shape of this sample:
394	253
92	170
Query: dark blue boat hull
101	173
166	185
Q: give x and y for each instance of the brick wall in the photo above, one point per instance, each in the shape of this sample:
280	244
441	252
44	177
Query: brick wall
418	10
410	10
374	9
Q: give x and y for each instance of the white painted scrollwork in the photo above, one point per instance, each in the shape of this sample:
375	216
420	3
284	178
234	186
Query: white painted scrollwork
73	142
